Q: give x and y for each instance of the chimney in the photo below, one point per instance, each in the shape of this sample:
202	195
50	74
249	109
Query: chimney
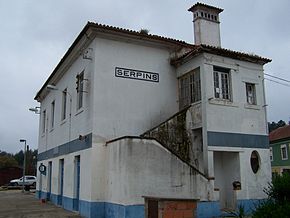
206	24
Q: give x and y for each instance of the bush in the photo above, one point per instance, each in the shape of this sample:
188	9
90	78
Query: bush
278	203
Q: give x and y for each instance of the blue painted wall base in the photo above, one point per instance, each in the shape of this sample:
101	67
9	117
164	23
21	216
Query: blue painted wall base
88	209
96	209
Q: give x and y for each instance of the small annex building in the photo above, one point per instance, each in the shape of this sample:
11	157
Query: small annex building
134	125
279	150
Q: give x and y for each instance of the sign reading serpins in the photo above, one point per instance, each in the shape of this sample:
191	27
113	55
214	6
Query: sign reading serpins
136	74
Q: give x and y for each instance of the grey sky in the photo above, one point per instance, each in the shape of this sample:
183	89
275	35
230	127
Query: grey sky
36	34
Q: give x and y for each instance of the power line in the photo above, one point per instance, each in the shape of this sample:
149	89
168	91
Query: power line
276	77
277	82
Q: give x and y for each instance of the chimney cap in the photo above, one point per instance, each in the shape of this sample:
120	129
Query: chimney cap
199	5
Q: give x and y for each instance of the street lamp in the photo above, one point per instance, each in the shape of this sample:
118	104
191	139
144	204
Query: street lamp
24	163
35	110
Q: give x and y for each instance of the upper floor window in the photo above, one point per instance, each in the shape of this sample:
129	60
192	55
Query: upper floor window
43	121
271	153
80	89
251	93
52	114
189	88
64	100
284	153
222	83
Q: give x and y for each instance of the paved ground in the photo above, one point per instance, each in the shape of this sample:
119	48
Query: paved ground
15	204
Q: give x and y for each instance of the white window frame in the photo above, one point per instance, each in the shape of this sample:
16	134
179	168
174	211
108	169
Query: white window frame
52	114
189	88
271	154
80	90
282	147
43	121
222	83
64	104
251	93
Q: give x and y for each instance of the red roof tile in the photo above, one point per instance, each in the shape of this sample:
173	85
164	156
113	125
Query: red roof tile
280	133
222	52
201	5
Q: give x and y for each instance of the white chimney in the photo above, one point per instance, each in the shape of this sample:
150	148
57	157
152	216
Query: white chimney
206	24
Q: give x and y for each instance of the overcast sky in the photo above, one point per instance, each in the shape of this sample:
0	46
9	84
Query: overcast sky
36	34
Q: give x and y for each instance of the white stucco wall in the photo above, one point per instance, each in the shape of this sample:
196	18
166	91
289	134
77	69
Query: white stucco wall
235	116
127	106
81	122
69	175
252	184
139	168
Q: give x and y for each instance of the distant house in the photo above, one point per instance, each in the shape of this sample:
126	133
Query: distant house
9	173
279	150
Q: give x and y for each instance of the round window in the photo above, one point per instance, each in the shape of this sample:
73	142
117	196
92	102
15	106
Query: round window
255	161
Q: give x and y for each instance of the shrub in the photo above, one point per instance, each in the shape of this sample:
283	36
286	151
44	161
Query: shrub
278	203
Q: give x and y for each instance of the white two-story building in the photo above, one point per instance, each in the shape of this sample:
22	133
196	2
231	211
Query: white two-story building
137	125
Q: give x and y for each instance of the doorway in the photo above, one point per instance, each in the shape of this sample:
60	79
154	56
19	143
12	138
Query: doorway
226	172
61	175
77	173
49	180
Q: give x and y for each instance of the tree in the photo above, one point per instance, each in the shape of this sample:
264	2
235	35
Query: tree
272	126
278	203
7	161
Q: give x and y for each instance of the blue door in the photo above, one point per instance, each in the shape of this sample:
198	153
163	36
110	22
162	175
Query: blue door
61	163
49	179
77	183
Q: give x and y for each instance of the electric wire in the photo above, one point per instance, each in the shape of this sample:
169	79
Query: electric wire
277	82
276	77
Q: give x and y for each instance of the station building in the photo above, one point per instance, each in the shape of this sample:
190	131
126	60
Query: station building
138	125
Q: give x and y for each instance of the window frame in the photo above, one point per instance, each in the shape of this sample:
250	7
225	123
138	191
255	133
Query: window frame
43	121
282	147
271	154
222	83
52	114
189	88
80	90
64	104
251	100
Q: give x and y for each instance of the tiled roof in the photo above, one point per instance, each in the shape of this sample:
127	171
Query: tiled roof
222	52
280	133
201	5
143	36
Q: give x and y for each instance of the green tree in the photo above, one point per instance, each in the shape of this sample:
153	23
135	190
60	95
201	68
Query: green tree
273	125
278	203
7	161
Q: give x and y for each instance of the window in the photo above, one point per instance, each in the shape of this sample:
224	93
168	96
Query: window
43	121
64	99
189	88
255	161
271	153
284	153
221	83
52	114
251	93
80	89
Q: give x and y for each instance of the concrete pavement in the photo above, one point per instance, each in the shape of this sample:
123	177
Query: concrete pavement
15	204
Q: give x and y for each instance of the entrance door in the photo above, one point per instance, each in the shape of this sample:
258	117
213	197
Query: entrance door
226	171
77	183
49	179
61	169
152	209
